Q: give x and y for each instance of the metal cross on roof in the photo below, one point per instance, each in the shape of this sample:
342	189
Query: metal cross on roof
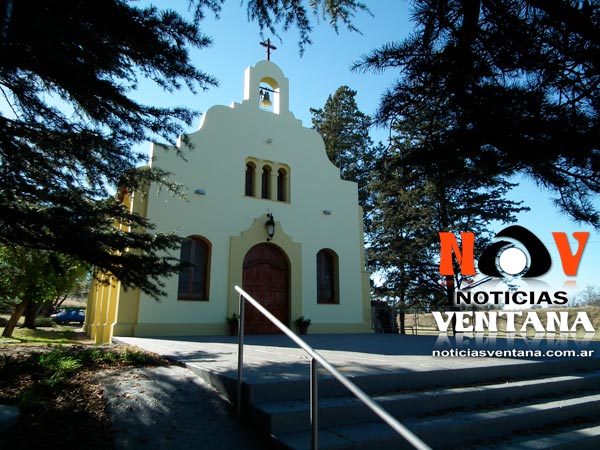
269	47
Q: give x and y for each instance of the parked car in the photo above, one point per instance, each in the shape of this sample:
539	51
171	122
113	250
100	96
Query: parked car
69	315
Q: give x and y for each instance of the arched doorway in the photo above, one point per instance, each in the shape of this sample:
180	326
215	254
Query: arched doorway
266	278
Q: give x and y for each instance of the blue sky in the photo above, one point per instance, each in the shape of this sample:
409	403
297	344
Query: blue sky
324	67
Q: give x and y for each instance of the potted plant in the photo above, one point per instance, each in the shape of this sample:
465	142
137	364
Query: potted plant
233	321
302	324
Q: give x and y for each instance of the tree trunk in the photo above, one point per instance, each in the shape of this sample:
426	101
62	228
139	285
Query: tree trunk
402	321
30	315
450	288
57	303
14	318
45	309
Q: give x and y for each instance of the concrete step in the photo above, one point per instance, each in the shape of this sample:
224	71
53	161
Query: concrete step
450	430
455	429
585	437
414	380
288	416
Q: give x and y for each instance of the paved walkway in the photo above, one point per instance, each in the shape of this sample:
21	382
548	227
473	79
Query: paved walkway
171	408
269	358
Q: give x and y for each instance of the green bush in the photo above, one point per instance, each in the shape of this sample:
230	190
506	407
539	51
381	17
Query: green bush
44	322
60	364
136	358
99	356
59	360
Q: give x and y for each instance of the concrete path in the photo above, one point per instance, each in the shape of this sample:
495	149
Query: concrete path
168	408
164	408
269	358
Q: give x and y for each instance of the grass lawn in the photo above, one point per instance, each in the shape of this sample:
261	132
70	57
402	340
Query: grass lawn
59	334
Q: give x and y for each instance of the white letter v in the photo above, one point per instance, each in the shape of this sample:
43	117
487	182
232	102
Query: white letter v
439	321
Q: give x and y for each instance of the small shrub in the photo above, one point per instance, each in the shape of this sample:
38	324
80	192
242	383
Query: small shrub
44	322
233	319
99	357
302	321
3	322
56	360
136	358
60	364
67	366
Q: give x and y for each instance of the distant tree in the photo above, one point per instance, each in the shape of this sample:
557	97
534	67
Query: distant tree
345	132
399	251
69	121
515	84
31	279
589	296
415	200
73	280
22	281
408	204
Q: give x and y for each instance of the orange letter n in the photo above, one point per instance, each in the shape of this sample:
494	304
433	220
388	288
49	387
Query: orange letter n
465	258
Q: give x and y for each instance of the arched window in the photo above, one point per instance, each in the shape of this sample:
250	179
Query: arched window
327	277
193	280
282	185
250	168
266	181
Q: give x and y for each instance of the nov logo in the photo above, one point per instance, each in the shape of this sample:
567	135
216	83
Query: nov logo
536	260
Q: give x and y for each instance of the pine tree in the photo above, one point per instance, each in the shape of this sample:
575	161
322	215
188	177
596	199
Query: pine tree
345	132
415	199
69	121
515	82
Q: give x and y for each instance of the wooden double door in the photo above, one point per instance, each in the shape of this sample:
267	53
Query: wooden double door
266	278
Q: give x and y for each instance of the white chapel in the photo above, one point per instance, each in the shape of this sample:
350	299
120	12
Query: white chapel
265	210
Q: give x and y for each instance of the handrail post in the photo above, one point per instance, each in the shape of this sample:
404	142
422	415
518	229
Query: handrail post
316	358
314	405
240	371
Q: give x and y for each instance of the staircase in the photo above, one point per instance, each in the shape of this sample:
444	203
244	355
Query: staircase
542	405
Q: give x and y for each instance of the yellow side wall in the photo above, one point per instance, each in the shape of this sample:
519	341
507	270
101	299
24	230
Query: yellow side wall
102	308
112	310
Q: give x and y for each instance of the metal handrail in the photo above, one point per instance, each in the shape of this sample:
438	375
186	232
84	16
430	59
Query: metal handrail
316	358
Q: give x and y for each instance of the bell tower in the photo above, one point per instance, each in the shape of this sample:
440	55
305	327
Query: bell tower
266	88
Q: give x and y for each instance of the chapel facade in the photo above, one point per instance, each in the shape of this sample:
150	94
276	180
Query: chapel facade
265	210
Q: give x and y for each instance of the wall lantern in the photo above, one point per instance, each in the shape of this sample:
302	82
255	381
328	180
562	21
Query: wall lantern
270	226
